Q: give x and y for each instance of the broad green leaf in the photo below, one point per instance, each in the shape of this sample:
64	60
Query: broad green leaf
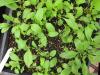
94	59
88	32
53	53
7	17
84	69
14	57
68	54
80	35
27	3
51	30
79	11
9	3
65	66
81	45
58	4
34	2
49	4
46	64
42	61
53	62
72	24
39	15
59	70
27	14
16	71
24	27
16	31
21	43
70	16
66	71
42	40
4	27
36	29
80	2
96	4
34	44
28	58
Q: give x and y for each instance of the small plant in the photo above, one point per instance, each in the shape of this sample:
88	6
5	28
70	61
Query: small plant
53	37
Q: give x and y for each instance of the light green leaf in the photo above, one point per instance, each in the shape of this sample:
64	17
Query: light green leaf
14	57
88	32
24	27
34	44
66	72
39	15
7	17
53	62
49	4
84	69
96	4
53	53
4	27
42	40
72	24
68	54
36	29
28	58
21	43
58	4
78	2
51	30
42	61
79	11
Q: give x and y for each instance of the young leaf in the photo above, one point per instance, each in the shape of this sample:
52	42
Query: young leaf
88	32
84	69
58	4
21	43
42	61
51	30
8	18
14	57
53	62
49	4
4	27
53	53
72	24
66	72
68	54
78	2
36	29
79	11
28	58
34	44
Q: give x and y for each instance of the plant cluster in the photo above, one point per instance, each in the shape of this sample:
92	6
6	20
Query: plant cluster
53	37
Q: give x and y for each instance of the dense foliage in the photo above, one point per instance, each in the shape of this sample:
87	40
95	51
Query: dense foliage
53	37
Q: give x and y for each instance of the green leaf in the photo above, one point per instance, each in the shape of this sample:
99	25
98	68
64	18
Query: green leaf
72	24
39	15
88	32
9	3
84	69
96	4
16	31
51	30
21	43
80	35
46	64
34	44
7	17
24	27
53	53
59	70
34	2
4	27
68	54
42	61
58	4
28	58
78	2
27	14
14	57
66	71
49	4
42	40
79	11
53	62
81	45
36	29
